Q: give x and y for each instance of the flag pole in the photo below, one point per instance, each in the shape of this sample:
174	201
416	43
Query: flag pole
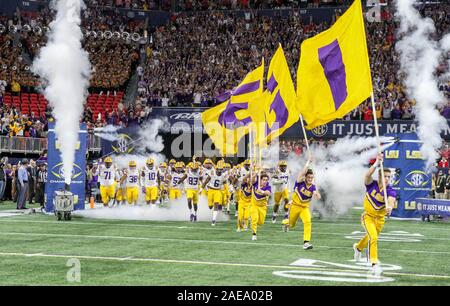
377	134
306	137
260	166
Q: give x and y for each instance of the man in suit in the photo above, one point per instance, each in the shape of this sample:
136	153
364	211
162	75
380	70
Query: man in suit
22	184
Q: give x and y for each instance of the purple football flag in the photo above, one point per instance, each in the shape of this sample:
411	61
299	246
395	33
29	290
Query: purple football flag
246	88
224	96
272	84
281	113
330	57
228	117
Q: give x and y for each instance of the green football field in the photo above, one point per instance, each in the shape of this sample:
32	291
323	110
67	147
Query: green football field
36	249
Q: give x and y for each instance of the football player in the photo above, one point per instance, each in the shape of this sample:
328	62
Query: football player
215	181
280	182
149	181
192	179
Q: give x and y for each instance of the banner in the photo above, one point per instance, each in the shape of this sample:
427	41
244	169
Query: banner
408	176
427	207
55	176
188	119
125	142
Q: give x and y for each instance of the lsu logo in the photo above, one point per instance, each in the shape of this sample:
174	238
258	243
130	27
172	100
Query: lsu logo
417	179
123	144
392	154
320	130
413	154
58	171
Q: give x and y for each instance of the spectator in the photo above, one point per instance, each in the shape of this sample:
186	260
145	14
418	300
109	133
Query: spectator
440	185
443	163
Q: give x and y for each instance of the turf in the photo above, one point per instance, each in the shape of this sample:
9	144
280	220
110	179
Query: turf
35	249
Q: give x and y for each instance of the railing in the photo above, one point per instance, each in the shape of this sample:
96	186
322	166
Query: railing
29	145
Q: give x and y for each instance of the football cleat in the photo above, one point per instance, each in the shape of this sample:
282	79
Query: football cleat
191	218
376	270
195	218
238	230
274	218
254	238
236	214
357	253
213	223
307	246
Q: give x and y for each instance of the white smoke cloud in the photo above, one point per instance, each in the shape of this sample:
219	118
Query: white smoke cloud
65	70
108	132
177	210
445	46
339	171
150	139
419	58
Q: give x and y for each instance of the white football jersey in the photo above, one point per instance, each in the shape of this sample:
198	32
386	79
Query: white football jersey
217	181
281	180
175	178
132	178
106	176
192	180
150	177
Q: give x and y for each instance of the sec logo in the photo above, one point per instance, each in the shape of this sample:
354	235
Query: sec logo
123	144
320	130
58	171
417	179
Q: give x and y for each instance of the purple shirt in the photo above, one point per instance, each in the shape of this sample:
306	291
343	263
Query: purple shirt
246	190
376	196
304	192
257	195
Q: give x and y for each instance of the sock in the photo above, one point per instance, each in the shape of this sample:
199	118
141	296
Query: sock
215	213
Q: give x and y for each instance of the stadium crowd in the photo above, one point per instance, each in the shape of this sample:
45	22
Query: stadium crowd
176	75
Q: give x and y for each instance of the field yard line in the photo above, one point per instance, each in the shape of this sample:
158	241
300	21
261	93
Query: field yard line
212	263
187	227
110	222
199	241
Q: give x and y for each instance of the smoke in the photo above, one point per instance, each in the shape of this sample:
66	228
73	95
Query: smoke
339	171
108	132
176	211
150	139
65	70
445	46
419	58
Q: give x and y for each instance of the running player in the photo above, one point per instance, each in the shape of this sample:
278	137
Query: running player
215	181
304	191
260	199
207	169
192	184
163	189
175	190
107	177
132	182
149	181
280	182
121	196
245	198
375	210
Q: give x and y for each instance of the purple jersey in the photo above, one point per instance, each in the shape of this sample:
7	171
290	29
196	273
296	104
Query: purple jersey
303	192
258	197
374	198
246	190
